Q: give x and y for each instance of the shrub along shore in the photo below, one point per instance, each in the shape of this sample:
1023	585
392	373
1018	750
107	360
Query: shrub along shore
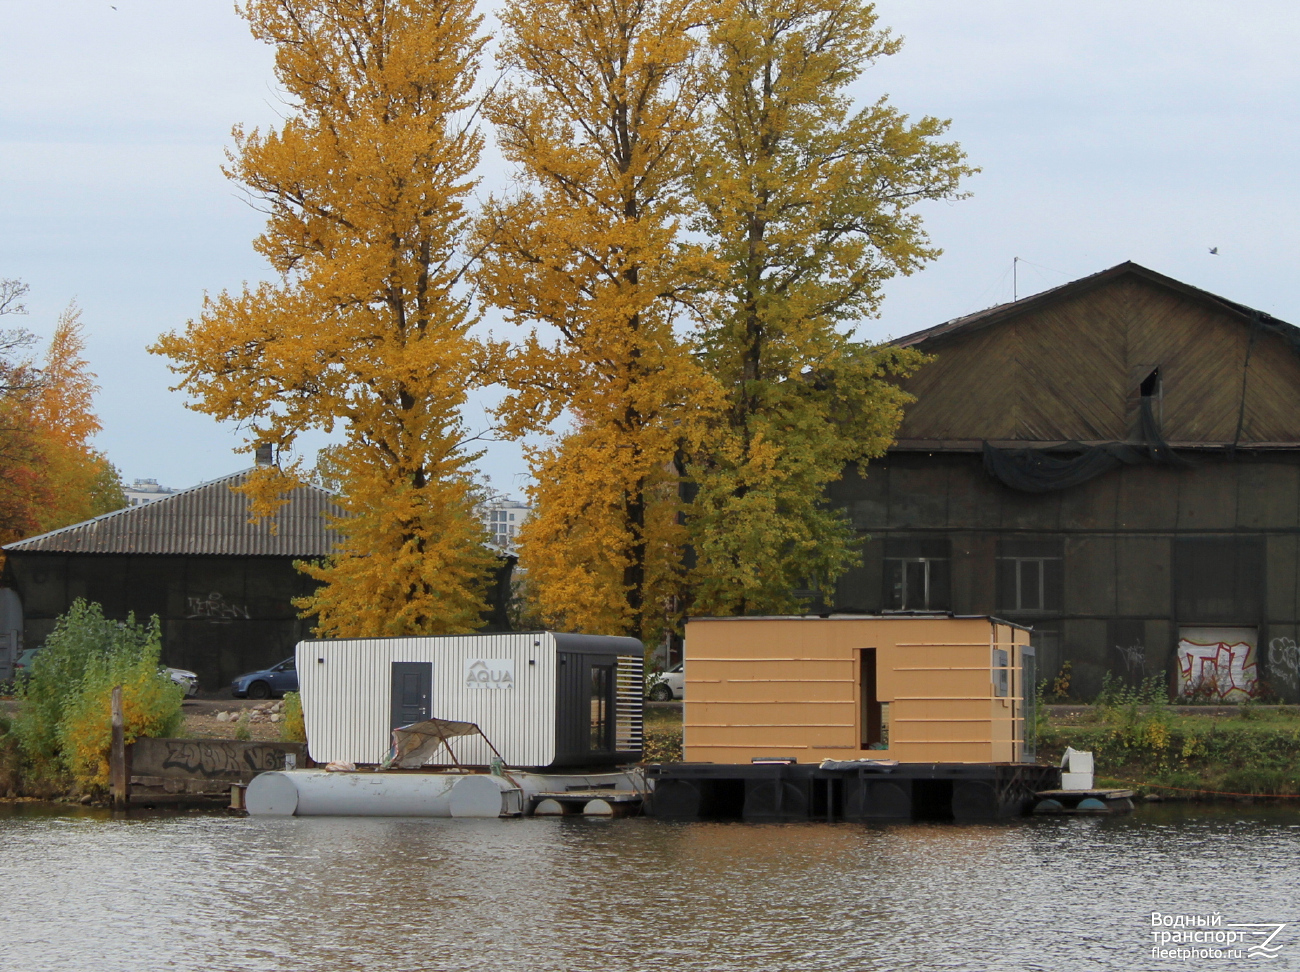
55	738
1167	751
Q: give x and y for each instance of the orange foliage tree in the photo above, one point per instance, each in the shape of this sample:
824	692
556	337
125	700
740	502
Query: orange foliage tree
80	482
367	328
50	475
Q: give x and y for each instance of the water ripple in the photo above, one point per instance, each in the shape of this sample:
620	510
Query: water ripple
81	891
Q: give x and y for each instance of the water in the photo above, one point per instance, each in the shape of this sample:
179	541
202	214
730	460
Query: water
82	891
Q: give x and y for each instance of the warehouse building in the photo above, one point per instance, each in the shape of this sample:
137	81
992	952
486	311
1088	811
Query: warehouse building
1116	463
222	587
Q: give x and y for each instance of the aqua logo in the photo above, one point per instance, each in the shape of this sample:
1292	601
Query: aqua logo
490	673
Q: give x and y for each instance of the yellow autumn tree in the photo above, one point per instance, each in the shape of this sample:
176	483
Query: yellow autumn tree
809	206
597	118
367	330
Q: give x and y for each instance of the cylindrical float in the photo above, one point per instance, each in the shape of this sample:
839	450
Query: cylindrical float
317	793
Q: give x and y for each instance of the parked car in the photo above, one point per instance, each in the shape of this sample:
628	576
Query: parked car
23	663
671	685
269	683
186	680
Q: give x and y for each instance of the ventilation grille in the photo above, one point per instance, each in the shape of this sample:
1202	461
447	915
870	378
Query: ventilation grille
631	693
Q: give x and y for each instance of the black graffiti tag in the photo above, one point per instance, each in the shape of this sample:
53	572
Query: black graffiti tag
212	760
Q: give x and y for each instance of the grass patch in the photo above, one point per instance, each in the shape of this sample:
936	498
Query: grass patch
1169	750
663	734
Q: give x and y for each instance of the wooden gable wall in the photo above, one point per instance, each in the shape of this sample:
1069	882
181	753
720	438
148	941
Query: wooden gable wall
1070	370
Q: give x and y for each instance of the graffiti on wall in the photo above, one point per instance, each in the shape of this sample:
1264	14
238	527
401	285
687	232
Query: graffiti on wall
215	607
1284	662
1134	659
210	759
1222	669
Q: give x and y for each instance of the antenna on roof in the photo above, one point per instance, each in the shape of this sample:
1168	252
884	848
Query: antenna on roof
1015	283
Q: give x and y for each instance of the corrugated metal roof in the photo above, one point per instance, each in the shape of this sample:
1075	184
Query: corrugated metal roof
208	519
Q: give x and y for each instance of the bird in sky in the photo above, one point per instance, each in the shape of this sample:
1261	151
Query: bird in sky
1214	251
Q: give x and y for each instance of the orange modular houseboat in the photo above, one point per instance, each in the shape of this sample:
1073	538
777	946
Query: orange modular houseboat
915	689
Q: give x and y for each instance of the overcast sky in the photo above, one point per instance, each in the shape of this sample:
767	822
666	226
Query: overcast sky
1106	131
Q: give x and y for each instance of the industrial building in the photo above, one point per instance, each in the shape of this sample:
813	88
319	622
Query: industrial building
1114	463
223	588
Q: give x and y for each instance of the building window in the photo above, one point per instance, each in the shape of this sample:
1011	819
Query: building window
1030	575
1219	580
916	575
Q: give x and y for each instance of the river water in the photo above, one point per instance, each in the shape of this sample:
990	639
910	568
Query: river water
82	891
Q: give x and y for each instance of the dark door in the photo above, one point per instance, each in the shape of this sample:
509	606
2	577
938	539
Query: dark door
412	684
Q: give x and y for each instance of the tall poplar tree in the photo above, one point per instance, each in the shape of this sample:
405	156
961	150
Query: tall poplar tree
597	118
809	205
365	186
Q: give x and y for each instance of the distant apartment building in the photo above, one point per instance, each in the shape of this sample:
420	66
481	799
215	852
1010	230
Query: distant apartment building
144	491
503	518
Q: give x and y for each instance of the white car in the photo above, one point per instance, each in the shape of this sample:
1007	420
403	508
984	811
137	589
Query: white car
186	680
671	685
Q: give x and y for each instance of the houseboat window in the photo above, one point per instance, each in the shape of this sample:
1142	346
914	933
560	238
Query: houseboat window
916	575
873	719
1030	575
601	682
1001	673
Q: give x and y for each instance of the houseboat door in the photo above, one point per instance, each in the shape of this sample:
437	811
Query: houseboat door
1028	715
412	686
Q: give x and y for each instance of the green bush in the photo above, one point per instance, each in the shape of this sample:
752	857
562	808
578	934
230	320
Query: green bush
292	728
64	719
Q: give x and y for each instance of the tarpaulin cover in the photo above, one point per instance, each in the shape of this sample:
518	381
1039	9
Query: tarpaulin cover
1044	470
870	765
419	743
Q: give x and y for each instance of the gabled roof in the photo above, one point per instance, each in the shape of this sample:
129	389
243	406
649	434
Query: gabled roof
207	519
1001	312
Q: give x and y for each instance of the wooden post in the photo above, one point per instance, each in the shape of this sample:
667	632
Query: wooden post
117	755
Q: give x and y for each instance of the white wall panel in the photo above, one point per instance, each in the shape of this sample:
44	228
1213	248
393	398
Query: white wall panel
347	697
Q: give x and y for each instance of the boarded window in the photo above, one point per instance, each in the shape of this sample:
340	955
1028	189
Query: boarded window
917	575
1031	576
1219	580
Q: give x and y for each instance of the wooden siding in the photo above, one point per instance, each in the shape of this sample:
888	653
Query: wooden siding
790	687
1069	370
